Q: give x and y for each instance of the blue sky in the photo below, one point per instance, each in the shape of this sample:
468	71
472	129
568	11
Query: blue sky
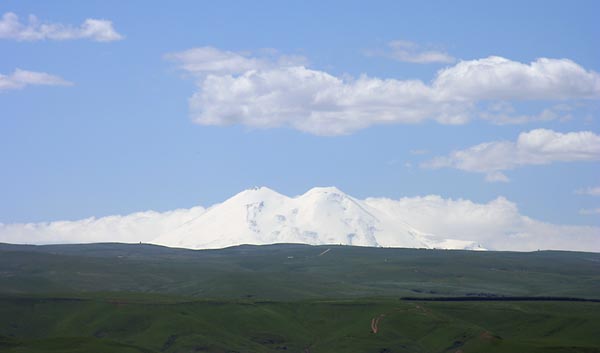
121	138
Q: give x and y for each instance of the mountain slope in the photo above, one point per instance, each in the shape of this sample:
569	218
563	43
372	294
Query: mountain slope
320	216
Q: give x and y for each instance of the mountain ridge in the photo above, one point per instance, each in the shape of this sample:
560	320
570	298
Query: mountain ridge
322	215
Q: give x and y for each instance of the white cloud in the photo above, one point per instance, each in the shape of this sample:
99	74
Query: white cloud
536	147
497	78
207	60
406	51
496	177
132	228
589	211
98	30
591	191
278	91
496	225
21	78
311	101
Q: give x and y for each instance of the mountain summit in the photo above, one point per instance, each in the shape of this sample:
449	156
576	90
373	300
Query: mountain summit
322	215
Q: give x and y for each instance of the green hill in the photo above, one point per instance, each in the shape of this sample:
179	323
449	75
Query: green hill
292	272
293	298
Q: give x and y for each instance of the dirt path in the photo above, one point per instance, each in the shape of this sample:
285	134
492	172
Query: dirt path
376	320
375	323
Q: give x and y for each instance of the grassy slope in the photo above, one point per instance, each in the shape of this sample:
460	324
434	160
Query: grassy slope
322	326
295	272
138	298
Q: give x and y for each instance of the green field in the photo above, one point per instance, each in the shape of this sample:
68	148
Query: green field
289	298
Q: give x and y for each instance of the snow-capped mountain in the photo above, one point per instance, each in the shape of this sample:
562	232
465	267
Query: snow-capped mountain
322	215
